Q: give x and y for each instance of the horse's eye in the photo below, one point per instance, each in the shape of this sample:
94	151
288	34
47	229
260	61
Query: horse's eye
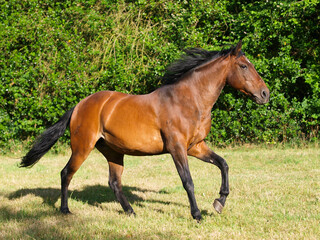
243	66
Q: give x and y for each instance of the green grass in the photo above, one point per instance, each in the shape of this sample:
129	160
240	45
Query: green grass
274	194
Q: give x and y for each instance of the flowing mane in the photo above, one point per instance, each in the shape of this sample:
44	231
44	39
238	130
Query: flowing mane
192	58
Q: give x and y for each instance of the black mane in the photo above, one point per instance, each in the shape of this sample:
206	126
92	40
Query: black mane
192	58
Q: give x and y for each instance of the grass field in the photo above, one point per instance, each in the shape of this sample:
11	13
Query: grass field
274	194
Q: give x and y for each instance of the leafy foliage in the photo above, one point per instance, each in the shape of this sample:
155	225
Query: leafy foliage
54	53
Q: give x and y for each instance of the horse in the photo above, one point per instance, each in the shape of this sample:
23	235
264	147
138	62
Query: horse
174	119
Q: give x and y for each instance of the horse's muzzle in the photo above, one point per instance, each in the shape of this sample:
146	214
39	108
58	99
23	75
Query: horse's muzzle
263	97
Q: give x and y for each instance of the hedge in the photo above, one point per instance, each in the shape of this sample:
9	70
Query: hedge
54	53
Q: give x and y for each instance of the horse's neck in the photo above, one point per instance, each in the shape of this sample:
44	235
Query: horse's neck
207	82
199	89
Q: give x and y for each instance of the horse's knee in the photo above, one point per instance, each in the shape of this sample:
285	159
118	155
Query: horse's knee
225	166
188	185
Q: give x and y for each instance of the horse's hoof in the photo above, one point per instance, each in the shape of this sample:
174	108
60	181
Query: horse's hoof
65	211
217	206
197	217
130	212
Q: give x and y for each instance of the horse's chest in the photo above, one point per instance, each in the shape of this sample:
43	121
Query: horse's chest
201	130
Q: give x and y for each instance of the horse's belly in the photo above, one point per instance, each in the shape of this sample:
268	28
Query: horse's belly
133	142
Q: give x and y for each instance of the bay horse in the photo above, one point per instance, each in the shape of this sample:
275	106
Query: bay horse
174	119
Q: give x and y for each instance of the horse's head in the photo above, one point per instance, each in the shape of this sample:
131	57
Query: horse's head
244	77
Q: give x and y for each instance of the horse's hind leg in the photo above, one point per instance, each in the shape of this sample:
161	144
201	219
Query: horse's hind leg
81	147
115	161
67	173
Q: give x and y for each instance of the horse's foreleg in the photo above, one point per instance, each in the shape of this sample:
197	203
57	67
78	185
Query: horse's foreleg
179	155
204	153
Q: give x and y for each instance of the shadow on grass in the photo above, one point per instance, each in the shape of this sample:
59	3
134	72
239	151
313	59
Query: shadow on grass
30	225
31	222
92	195
97	194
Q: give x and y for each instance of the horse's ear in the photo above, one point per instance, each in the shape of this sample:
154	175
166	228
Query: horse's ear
237	49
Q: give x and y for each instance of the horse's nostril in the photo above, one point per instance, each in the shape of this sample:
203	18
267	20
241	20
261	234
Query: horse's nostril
264	94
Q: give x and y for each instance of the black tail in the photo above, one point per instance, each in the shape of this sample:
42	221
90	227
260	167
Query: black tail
46	140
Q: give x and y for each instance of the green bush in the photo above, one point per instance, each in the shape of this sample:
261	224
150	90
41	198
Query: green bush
54	53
